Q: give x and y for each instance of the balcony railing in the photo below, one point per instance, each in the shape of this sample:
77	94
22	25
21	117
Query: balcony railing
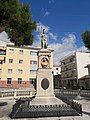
16	93
67	70
2	52
67	63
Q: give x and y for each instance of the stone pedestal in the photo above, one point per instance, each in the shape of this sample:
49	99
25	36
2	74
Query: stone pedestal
45	90
45	83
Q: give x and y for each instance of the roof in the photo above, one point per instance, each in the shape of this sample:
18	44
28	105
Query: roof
72	54
85	77
24	47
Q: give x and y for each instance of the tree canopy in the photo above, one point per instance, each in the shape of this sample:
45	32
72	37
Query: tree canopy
16	20
86	38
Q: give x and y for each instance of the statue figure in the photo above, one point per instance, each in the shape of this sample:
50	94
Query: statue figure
43	40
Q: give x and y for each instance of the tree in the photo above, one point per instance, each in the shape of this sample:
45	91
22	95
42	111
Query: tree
86	38
16	20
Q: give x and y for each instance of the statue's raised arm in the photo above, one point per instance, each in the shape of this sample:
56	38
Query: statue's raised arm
43	40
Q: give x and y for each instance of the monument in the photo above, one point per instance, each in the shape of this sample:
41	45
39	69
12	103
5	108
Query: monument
44	84
45	104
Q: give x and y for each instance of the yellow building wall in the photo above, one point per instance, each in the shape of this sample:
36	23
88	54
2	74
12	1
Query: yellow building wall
25	66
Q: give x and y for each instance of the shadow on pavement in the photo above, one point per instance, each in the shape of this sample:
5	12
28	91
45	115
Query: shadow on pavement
3	103
87	113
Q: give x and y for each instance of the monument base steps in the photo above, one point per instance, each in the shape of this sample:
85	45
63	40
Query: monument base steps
46	101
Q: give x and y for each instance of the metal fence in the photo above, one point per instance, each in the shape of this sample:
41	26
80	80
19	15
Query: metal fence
73	104
28	92
72	93
23	109
17	93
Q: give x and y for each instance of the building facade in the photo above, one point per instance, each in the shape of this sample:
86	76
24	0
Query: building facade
73	69
18	66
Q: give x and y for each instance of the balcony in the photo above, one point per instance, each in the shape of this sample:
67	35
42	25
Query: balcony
69	77
2	55
68	60
68	63
69	74
68	69
2	52
2	60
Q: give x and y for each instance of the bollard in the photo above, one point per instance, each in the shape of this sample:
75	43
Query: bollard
2	95
31	94
15	93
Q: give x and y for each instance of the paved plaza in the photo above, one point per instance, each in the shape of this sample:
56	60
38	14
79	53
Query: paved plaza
6	109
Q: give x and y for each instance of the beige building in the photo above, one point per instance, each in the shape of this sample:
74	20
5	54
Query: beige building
18	66
73	69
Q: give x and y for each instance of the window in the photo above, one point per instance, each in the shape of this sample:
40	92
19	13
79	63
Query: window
11	50
10	60
71	59
33	53
62	63
2	52
67	68
33	62
56	68
20	61
9	80
0	70
21	51
1	61
19	80
33	71
72	72
20	71
10	71
31	80
67	76
71	75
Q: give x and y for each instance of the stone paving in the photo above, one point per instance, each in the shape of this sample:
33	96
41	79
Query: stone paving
6	109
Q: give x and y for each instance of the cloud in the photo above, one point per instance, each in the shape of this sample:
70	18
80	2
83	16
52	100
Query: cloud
82	49
51	1
40	26
46	13
65	46
4	37
52	36
62	49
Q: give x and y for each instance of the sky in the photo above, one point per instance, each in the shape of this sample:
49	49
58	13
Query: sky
64	21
